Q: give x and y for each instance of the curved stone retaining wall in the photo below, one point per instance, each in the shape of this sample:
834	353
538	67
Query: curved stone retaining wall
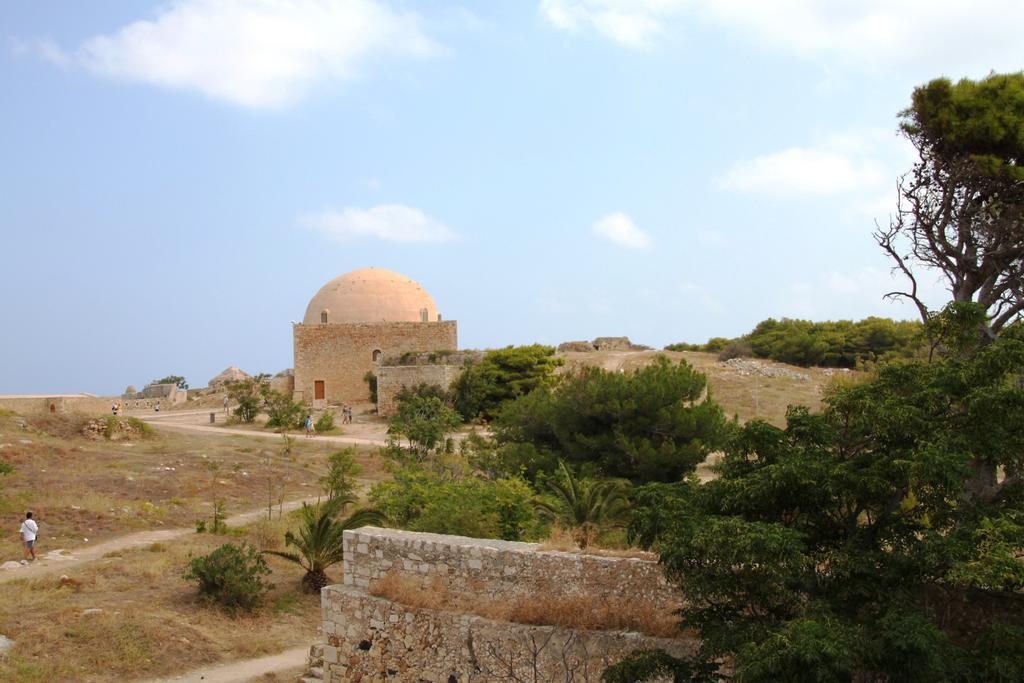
475	567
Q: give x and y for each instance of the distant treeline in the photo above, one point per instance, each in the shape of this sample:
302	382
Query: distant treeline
836	344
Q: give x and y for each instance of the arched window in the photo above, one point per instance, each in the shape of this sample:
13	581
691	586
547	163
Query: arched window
377	355
323	317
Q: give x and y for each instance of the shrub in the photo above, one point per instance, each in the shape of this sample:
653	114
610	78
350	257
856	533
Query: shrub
282	412
735	349
231	576
342	470
425	422
651	424
502	375
371	382
420	500
325	422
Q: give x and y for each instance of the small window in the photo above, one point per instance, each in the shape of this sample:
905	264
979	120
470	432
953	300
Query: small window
377	355
424	315
323	318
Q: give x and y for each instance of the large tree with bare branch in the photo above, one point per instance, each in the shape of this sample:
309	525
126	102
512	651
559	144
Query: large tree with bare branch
961	207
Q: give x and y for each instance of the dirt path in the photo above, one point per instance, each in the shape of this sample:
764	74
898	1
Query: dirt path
57	561
177	422
291	661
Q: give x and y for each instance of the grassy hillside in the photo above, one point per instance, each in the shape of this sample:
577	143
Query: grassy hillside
743	393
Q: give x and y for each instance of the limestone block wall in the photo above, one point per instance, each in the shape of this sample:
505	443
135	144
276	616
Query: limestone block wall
31	405
473	567
373	639
341	354
391	379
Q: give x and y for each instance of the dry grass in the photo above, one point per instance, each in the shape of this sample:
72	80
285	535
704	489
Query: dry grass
568	611
81	489
560	540
151	622
745	396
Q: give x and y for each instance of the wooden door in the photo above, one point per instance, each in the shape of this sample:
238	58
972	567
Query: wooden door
318	390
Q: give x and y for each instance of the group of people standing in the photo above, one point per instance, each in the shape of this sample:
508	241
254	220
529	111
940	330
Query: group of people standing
120	408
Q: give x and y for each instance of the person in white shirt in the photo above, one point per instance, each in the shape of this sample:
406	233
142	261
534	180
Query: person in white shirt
29	529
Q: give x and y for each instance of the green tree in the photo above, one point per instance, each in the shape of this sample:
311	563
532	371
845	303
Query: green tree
500	376
342	470
318	543
858	543
456	502
282	412
586	507
248	394
177	380
425	421
656	423
961	207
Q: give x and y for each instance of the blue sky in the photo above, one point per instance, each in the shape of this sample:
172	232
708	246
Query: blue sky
179	178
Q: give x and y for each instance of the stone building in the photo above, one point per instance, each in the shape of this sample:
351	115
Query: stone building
352	323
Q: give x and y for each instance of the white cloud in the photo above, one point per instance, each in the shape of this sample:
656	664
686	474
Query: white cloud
390	222
254	53
804	170
919	33
618	228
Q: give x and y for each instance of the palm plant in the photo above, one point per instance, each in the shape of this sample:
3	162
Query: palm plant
319	540
585	506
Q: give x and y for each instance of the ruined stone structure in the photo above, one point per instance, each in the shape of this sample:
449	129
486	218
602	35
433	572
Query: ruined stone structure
30	404
352	323
602	344
410	370
166	393
375	638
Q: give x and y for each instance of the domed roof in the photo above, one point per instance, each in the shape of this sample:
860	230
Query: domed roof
371	295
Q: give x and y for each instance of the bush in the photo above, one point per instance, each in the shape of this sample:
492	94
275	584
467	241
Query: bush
419	500
502	375
342	470
247	393
651	424
425	422
324	423
282	412
735	349
371	382
840	343
231	576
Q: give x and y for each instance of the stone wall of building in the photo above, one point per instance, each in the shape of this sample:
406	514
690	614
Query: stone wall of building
341	354
65	403
391	379
166	393
374	639
473	567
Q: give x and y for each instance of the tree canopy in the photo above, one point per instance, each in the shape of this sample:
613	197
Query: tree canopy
837	344
961	207
656	423
177	380
859	543
502	375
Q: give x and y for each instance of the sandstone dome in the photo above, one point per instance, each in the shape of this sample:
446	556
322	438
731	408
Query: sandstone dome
371	295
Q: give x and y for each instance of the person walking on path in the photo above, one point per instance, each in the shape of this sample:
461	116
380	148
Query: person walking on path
29	529
309	426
